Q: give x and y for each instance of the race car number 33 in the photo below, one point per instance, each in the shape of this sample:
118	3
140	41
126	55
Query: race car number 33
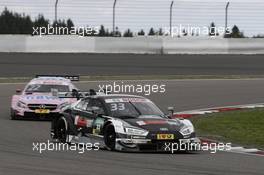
165	136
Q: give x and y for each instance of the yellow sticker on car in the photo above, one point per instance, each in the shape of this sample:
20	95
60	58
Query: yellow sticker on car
165	136
42	111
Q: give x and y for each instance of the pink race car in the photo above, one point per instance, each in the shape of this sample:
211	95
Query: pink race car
39	100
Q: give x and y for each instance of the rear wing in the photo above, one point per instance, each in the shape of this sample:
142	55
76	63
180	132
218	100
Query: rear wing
70	77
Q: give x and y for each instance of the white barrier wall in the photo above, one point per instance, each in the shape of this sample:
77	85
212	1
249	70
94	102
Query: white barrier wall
128	45
14	43
65	44
246	46
196	45
142	45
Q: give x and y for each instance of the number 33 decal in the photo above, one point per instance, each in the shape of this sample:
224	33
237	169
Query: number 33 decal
117	106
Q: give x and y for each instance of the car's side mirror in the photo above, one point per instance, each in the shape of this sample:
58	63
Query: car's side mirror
76	94
18	91
171	110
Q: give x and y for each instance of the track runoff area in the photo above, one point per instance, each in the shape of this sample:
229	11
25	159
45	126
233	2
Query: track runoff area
16	151
185	95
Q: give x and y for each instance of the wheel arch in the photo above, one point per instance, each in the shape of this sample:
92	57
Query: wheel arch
106	124
69	123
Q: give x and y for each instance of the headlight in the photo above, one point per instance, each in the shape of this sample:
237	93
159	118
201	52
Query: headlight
187	130
21	104
134	131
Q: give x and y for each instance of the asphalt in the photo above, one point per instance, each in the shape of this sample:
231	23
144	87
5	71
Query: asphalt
28	64
17	156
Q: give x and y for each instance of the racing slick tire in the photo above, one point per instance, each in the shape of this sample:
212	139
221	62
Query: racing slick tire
62	130
110	137
13	114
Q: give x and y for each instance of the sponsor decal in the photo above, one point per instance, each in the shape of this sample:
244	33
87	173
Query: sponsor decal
141	123
173	123
133	100
81	121
52	82
165	136
151	122
164	129
97	130
41	97
155	122
42	111
149	116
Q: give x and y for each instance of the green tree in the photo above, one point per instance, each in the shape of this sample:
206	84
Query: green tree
184	32
107	33
102	31
14	23
258	36
60	23
41	21
69	24
117	33
128	33
236	33
141	32
160	32
151	32
212	30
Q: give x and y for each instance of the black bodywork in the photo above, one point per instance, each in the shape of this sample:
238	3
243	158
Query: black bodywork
95	119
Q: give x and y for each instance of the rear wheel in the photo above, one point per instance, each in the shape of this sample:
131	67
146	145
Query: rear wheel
110	137
62	130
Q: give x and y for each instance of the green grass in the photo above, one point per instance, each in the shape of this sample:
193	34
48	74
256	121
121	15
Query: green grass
245	127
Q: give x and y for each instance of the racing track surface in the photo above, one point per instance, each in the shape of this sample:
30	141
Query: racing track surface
17	157
23	64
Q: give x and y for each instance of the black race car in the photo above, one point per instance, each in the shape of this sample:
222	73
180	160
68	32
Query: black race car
120	122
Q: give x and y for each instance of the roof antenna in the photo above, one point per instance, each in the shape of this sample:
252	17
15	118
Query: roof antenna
76	94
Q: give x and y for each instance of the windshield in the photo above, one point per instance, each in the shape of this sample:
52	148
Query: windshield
132	107
46	88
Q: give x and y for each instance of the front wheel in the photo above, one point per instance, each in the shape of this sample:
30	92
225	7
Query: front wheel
13	114
110	137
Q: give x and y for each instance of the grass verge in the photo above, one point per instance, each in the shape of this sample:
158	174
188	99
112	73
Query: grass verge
245	127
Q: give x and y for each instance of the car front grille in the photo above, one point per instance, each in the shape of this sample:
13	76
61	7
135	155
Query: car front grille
51	107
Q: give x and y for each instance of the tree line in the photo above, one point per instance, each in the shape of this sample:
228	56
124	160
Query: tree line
15	23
